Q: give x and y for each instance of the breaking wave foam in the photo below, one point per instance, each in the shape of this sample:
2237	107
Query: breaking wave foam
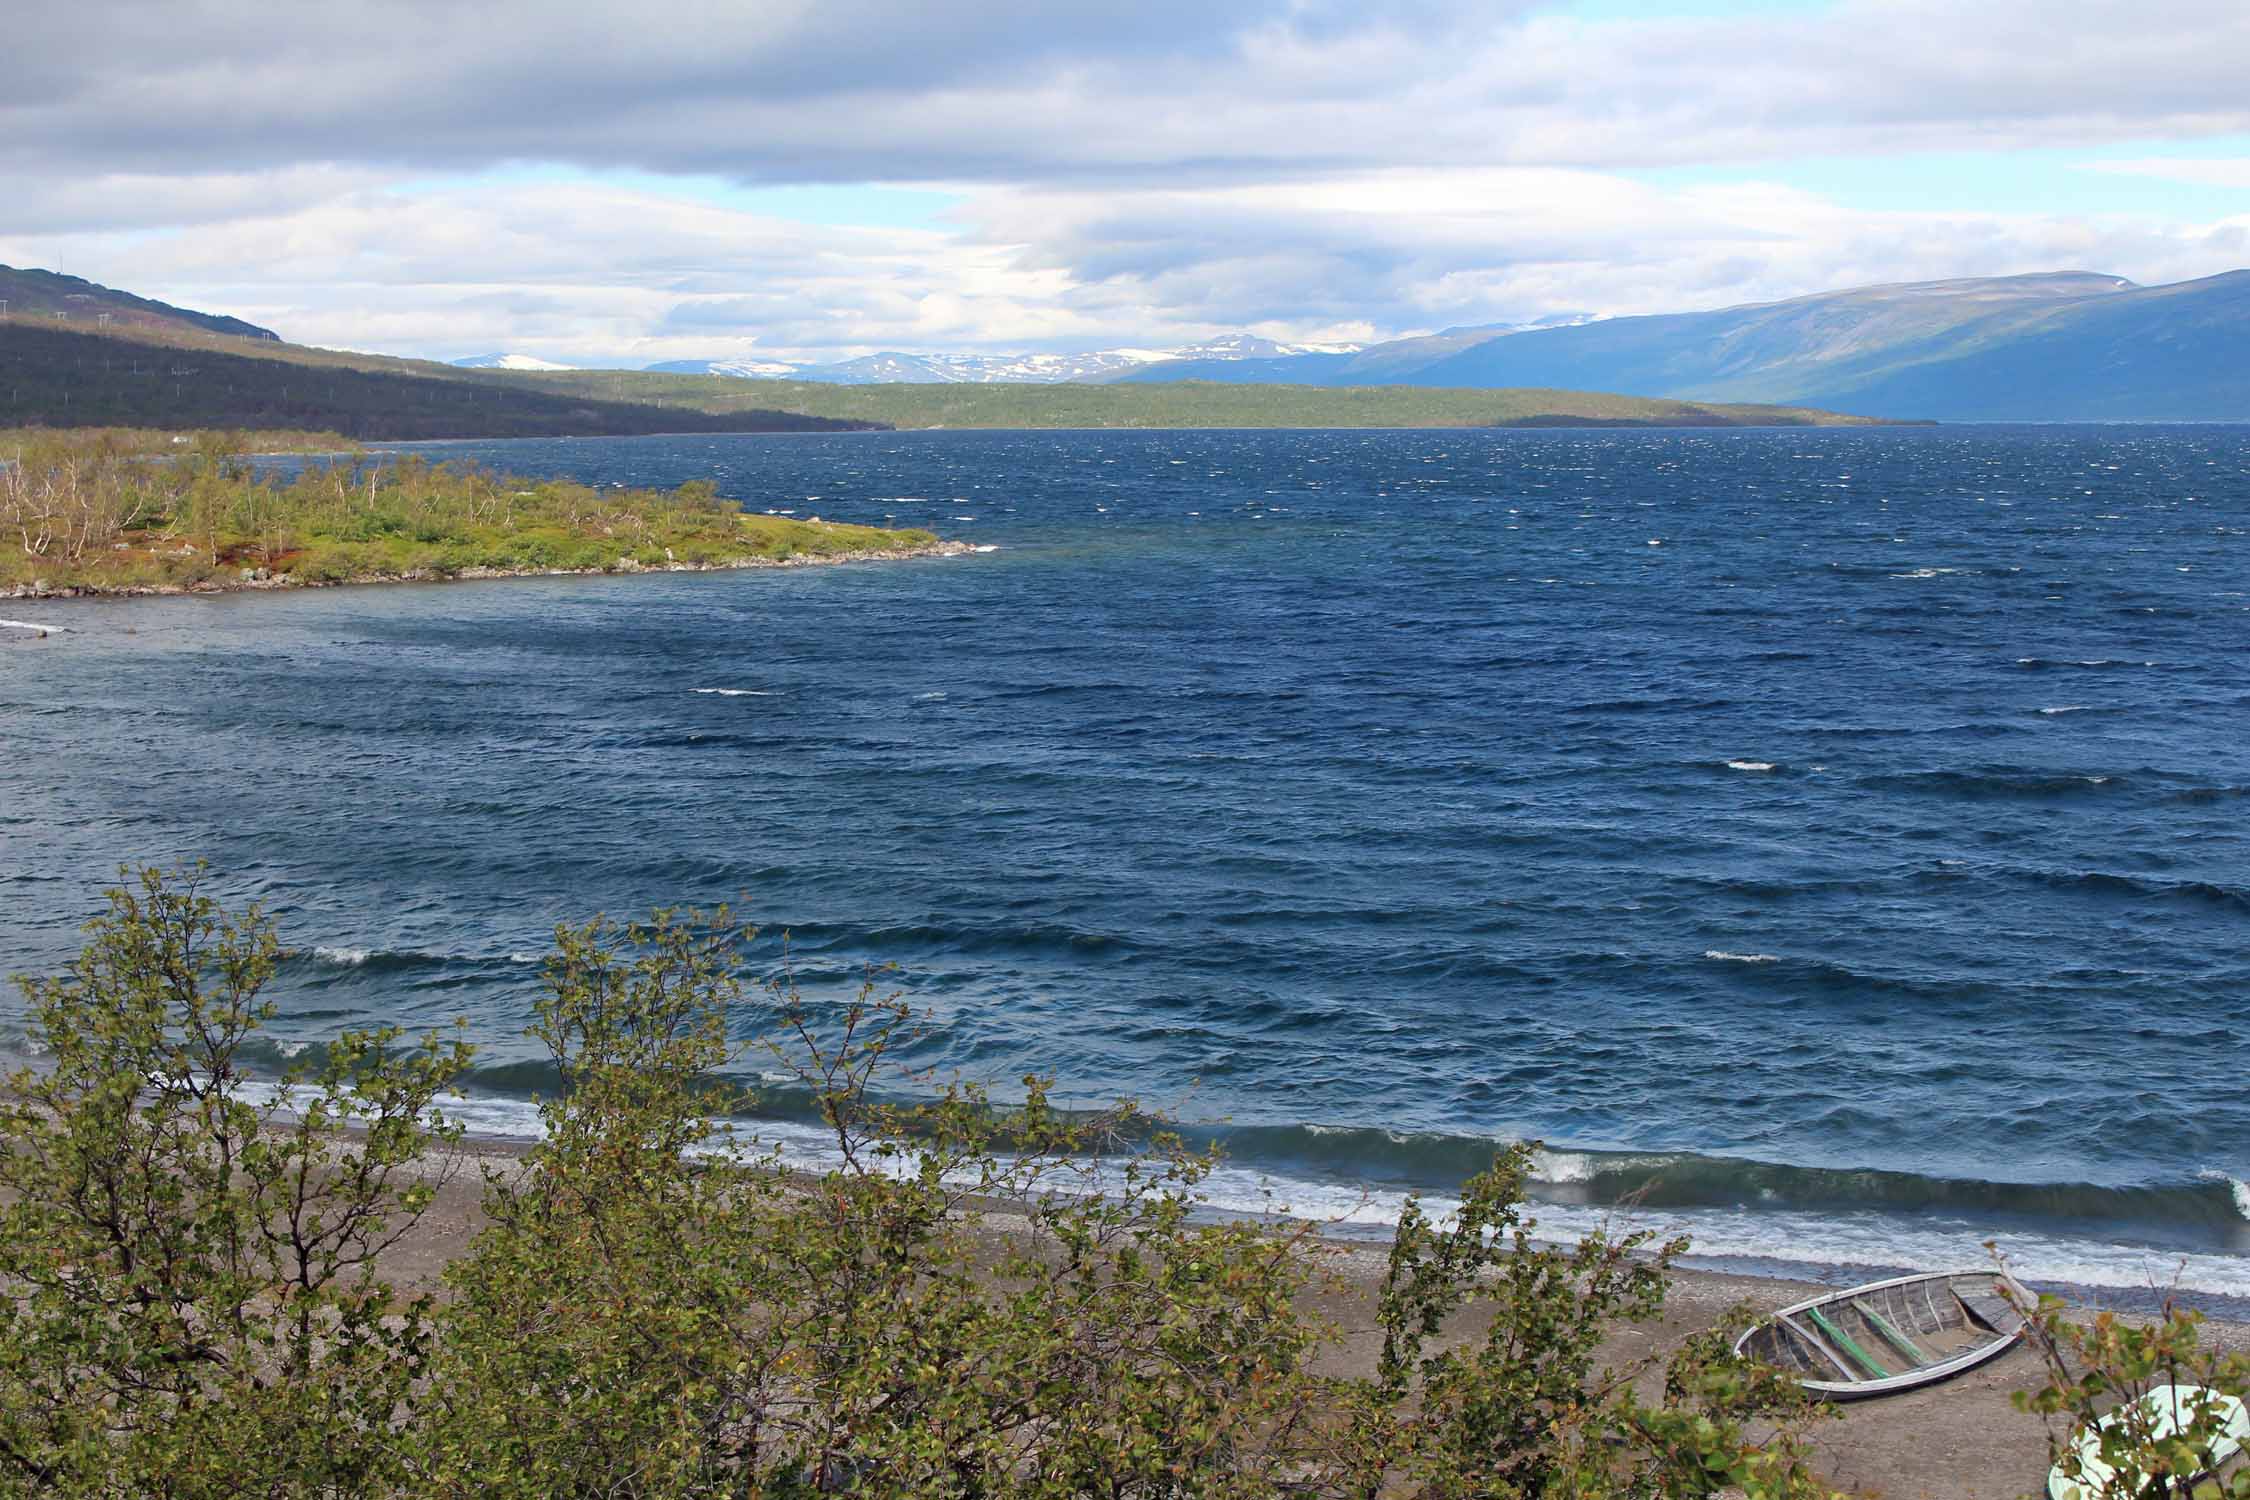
1778	1241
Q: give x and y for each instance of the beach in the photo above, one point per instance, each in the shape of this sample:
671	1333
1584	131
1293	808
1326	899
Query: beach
1961	1440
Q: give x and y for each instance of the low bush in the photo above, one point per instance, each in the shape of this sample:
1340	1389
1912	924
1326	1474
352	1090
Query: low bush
959	1297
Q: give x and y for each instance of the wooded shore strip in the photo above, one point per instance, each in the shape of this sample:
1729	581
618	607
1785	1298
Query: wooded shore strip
106	512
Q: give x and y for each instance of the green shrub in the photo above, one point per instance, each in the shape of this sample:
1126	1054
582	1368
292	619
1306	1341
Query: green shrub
2109	1375
191	1306
965	1298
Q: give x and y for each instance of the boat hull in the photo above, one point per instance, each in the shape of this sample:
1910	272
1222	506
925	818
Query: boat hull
1891	1336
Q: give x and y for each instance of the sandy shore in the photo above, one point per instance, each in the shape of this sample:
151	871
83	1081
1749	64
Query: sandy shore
1962	1440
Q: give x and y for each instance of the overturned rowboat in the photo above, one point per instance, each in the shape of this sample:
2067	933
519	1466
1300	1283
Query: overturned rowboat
1892	1335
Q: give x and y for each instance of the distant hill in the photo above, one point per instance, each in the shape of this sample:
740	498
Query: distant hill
72	301
2161	353
1760	351
2058	346
1168	404
157	366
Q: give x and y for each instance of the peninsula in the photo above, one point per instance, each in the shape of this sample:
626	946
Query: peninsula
90	511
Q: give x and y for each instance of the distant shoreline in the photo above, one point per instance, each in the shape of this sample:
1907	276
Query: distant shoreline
256	580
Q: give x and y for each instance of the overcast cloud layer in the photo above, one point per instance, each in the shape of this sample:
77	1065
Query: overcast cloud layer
353	174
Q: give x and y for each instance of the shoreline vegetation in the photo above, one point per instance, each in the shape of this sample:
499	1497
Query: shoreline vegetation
218	1281
102	512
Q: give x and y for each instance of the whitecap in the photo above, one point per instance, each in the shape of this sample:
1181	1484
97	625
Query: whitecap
2241	1189
927	697
2065	708
28	625
987	547
1723	956
1560	1167
350	958
733	692
1749	765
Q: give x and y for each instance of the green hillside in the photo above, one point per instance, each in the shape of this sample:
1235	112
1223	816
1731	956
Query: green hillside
75	302
1179	404
55	373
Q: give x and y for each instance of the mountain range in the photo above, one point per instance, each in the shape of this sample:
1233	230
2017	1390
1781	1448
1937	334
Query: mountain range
2053	346
2049	346
2057	346
892	368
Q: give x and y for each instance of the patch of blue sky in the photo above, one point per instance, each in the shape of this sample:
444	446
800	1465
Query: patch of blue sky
1681	10
2040	180
861	205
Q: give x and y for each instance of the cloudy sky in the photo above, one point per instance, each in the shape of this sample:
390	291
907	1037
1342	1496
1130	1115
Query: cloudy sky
613	183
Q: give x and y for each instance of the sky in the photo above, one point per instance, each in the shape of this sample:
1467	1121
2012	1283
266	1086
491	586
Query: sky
815	179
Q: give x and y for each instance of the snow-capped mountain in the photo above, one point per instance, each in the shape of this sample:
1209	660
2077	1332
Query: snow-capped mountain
507	362
747	369
893	367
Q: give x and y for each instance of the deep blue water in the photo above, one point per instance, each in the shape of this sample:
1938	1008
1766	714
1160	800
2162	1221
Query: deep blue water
1843	831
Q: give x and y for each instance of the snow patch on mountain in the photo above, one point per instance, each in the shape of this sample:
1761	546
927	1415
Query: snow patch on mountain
508	362
746	369
894	367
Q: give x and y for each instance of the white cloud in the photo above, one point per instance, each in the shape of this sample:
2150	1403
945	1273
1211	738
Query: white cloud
1129	173
581	272
1020	91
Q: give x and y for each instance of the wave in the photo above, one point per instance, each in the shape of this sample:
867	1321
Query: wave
2089	663
1780	1219
2199	1211
1997	782
378	960
2107	883
1721	956
734	692
1750	765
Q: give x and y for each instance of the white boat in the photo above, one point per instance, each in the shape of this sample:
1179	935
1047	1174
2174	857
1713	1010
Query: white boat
1890	1336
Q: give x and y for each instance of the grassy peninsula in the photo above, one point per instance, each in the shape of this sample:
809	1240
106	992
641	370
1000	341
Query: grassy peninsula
108	512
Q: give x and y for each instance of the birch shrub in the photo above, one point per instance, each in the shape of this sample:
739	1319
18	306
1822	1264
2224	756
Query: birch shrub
2112	1379
189	1302
964	1299
959	1297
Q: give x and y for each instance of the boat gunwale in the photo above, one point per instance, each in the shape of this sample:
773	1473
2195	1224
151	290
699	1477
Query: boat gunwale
1920	1375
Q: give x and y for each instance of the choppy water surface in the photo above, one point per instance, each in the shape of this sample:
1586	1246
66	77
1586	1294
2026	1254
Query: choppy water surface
1843	831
